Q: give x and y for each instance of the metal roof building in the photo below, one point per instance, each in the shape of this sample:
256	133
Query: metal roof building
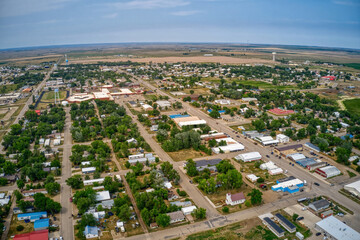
319	205
278	231
248	157
285	223
336	229
306	162
354	188
327	172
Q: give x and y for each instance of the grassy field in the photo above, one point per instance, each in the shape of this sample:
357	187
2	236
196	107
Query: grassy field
185	154
7	88
49	96
265	85
353	105
237	230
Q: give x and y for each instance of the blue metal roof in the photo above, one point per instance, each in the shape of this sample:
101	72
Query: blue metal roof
31	215
285	221
178	116
42	223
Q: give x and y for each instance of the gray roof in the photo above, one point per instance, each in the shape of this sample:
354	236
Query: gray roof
337	229
211	162
274	226
285	221
176	215
296	146
320	204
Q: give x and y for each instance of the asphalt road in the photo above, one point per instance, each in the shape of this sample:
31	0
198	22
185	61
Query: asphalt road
66	227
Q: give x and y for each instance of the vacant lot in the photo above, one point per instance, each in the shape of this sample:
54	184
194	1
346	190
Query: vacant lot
237	230
265	85
7	88
49	96
353	105
185	154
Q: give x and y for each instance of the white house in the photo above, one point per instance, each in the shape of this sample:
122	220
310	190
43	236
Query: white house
91	232
235	199
188	210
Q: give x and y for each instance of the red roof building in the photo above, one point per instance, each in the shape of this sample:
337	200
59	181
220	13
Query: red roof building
38	112
331	78
36	235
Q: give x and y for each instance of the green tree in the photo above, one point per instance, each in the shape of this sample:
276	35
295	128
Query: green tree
199	213
163	220
214	114
191	168
75	182
52	188
256	196
20	183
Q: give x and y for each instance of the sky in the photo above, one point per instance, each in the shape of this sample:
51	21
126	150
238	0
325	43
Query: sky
329	23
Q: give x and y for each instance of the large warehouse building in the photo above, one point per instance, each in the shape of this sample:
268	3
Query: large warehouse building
354	188
336	229
249	157
328	172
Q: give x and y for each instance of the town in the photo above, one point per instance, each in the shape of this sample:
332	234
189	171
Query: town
133	150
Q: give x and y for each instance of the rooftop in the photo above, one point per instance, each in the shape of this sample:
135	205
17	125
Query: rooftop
338	229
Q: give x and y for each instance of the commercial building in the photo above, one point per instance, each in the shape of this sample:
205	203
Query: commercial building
336	229
235	199
296	156
316	166
290	186
328	171
249	157
289	226
266	140
305	162
288	149
278	231
177	216
210	136
163	104
319	205
232	146
35	235
282	138
354	188
312	147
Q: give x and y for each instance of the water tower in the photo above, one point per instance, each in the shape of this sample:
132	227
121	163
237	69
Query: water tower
274	56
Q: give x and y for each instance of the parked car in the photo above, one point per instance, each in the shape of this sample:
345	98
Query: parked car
71	199
340	214
318	234
301	190
268	156
110	214
316	184
300	218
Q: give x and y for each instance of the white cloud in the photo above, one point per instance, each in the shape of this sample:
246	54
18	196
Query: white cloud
111	15
11	8
151	4
185	13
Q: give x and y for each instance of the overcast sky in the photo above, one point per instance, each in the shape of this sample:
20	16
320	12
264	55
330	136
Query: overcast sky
331	23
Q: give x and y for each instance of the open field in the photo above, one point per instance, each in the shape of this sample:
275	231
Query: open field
264	85
353	105
7	88
185	154
49	96
237	230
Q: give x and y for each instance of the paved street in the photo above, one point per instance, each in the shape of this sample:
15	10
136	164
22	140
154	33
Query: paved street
66	227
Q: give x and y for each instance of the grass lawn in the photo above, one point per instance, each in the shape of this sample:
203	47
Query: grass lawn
185	154
49	96
28	227
265	85
7	88
237	230
353	105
